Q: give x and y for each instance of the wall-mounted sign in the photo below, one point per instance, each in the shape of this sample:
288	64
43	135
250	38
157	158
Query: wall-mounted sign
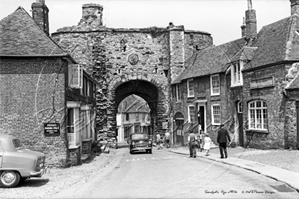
51	129
262	83
133	59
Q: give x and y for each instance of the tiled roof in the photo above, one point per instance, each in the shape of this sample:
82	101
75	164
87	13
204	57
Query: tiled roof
245	54
276	42
21	36
211	60
294	84
133	104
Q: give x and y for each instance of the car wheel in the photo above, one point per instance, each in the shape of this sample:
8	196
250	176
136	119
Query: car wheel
9	179
150	151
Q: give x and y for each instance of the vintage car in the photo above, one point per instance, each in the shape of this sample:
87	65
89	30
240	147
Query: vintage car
17	163
140	142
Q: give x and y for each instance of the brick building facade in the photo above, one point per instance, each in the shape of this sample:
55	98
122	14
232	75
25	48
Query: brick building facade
37	86
200	92
267	111
254	78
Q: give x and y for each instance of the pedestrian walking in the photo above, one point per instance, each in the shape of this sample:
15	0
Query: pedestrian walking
207	144
200	140
167	139
161	142
157	139
222	139
192	138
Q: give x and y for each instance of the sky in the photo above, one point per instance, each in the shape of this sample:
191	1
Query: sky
221	18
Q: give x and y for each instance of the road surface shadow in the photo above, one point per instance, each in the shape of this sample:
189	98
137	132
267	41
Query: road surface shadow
33	183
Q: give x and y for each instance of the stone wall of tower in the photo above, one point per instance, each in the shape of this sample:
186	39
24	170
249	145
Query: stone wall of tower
183	43
105	54
195	41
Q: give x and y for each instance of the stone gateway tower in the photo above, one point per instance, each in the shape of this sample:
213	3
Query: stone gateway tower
130	61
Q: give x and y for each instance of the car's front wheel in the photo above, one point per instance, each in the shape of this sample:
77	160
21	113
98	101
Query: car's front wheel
9	179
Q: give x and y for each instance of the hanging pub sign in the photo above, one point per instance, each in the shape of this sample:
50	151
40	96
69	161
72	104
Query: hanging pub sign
51	129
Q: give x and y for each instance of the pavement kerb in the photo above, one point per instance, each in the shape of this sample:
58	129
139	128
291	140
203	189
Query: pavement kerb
206	157
294	186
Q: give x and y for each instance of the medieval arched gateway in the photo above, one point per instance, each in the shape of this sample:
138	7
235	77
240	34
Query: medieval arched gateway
130	61
148	90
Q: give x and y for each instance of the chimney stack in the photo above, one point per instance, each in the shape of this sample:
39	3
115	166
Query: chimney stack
243	27
294	7
251	27
40	15
92	14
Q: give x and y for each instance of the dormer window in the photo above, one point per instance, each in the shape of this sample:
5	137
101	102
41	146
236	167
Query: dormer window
190	88
236	74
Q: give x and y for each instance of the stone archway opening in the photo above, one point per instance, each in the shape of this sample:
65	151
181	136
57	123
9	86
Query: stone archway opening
133	116
144	89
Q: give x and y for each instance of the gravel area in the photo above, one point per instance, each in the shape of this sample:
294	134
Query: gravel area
57	179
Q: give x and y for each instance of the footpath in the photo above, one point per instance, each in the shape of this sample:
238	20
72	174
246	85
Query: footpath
291	178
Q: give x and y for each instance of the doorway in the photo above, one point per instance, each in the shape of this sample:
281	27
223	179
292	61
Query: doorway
202	117
239	110
179	123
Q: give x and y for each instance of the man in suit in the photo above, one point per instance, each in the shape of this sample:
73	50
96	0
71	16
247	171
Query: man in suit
222	138
192	138
167	139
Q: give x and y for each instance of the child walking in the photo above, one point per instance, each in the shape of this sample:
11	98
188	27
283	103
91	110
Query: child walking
207	144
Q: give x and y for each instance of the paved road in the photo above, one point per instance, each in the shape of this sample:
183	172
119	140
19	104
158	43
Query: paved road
168	175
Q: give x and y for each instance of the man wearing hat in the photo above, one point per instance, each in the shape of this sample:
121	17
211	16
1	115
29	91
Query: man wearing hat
192	138
222	138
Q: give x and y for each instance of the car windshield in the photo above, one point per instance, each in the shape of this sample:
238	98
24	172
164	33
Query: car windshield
139	136
17	143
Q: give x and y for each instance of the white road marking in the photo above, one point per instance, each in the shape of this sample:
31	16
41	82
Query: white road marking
153	158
